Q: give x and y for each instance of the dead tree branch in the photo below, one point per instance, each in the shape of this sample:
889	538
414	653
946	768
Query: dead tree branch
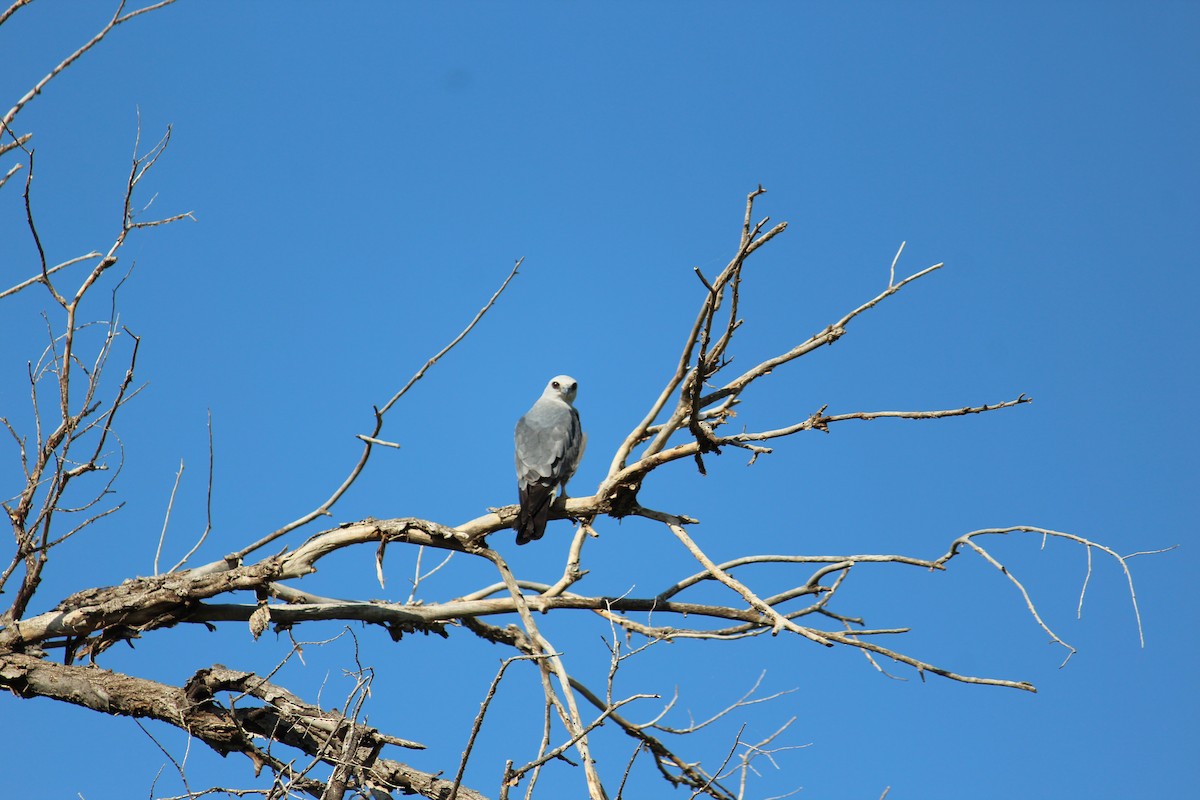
72	434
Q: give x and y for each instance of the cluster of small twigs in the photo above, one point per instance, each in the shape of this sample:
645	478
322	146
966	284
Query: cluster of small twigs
72	412
73	436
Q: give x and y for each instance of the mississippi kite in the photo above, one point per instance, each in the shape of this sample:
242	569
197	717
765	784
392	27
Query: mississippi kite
549	445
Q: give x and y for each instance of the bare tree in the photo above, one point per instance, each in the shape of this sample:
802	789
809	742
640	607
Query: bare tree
70	457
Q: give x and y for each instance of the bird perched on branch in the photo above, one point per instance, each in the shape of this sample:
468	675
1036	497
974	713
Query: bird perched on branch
550	443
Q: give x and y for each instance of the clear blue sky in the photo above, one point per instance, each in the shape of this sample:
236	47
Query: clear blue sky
364	175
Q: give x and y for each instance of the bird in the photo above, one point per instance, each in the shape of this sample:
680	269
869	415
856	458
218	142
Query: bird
549	445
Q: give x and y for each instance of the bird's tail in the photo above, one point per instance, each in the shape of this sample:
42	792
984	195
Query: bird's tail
534	513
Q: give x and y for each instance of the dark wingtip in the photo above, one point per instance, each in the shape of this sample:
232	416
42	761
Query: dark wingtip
529	532
534	512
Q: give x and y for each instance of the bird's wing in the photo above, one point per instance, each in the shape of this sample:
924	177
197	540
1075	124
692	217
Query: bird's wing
549	443
534	511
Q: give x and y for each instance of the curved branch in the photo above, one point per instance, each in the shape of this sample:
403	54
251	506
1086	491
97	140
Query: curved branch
371	440
117	19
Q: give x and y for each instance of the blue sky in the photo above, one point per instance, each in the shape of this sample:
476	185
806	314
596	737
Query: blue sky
363	178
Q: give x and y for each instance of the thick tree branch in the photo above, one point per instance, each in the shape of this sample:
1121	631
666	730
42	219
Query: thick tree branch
238	711
196	708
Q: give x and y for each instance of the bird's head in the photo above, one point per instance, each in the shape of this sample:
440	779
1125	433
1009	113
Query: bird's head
563	386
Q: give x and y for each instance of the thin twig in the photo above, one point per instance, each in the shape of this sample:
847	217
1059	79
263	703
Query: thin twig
478	723
207	502
323	509
118	19
162	536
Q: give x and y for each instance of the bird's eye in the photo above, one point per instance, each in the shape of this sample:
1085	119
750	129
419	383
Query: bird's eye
555	384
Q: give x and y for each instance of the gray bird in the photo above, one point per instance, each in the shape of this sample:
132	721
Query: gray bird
549	445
